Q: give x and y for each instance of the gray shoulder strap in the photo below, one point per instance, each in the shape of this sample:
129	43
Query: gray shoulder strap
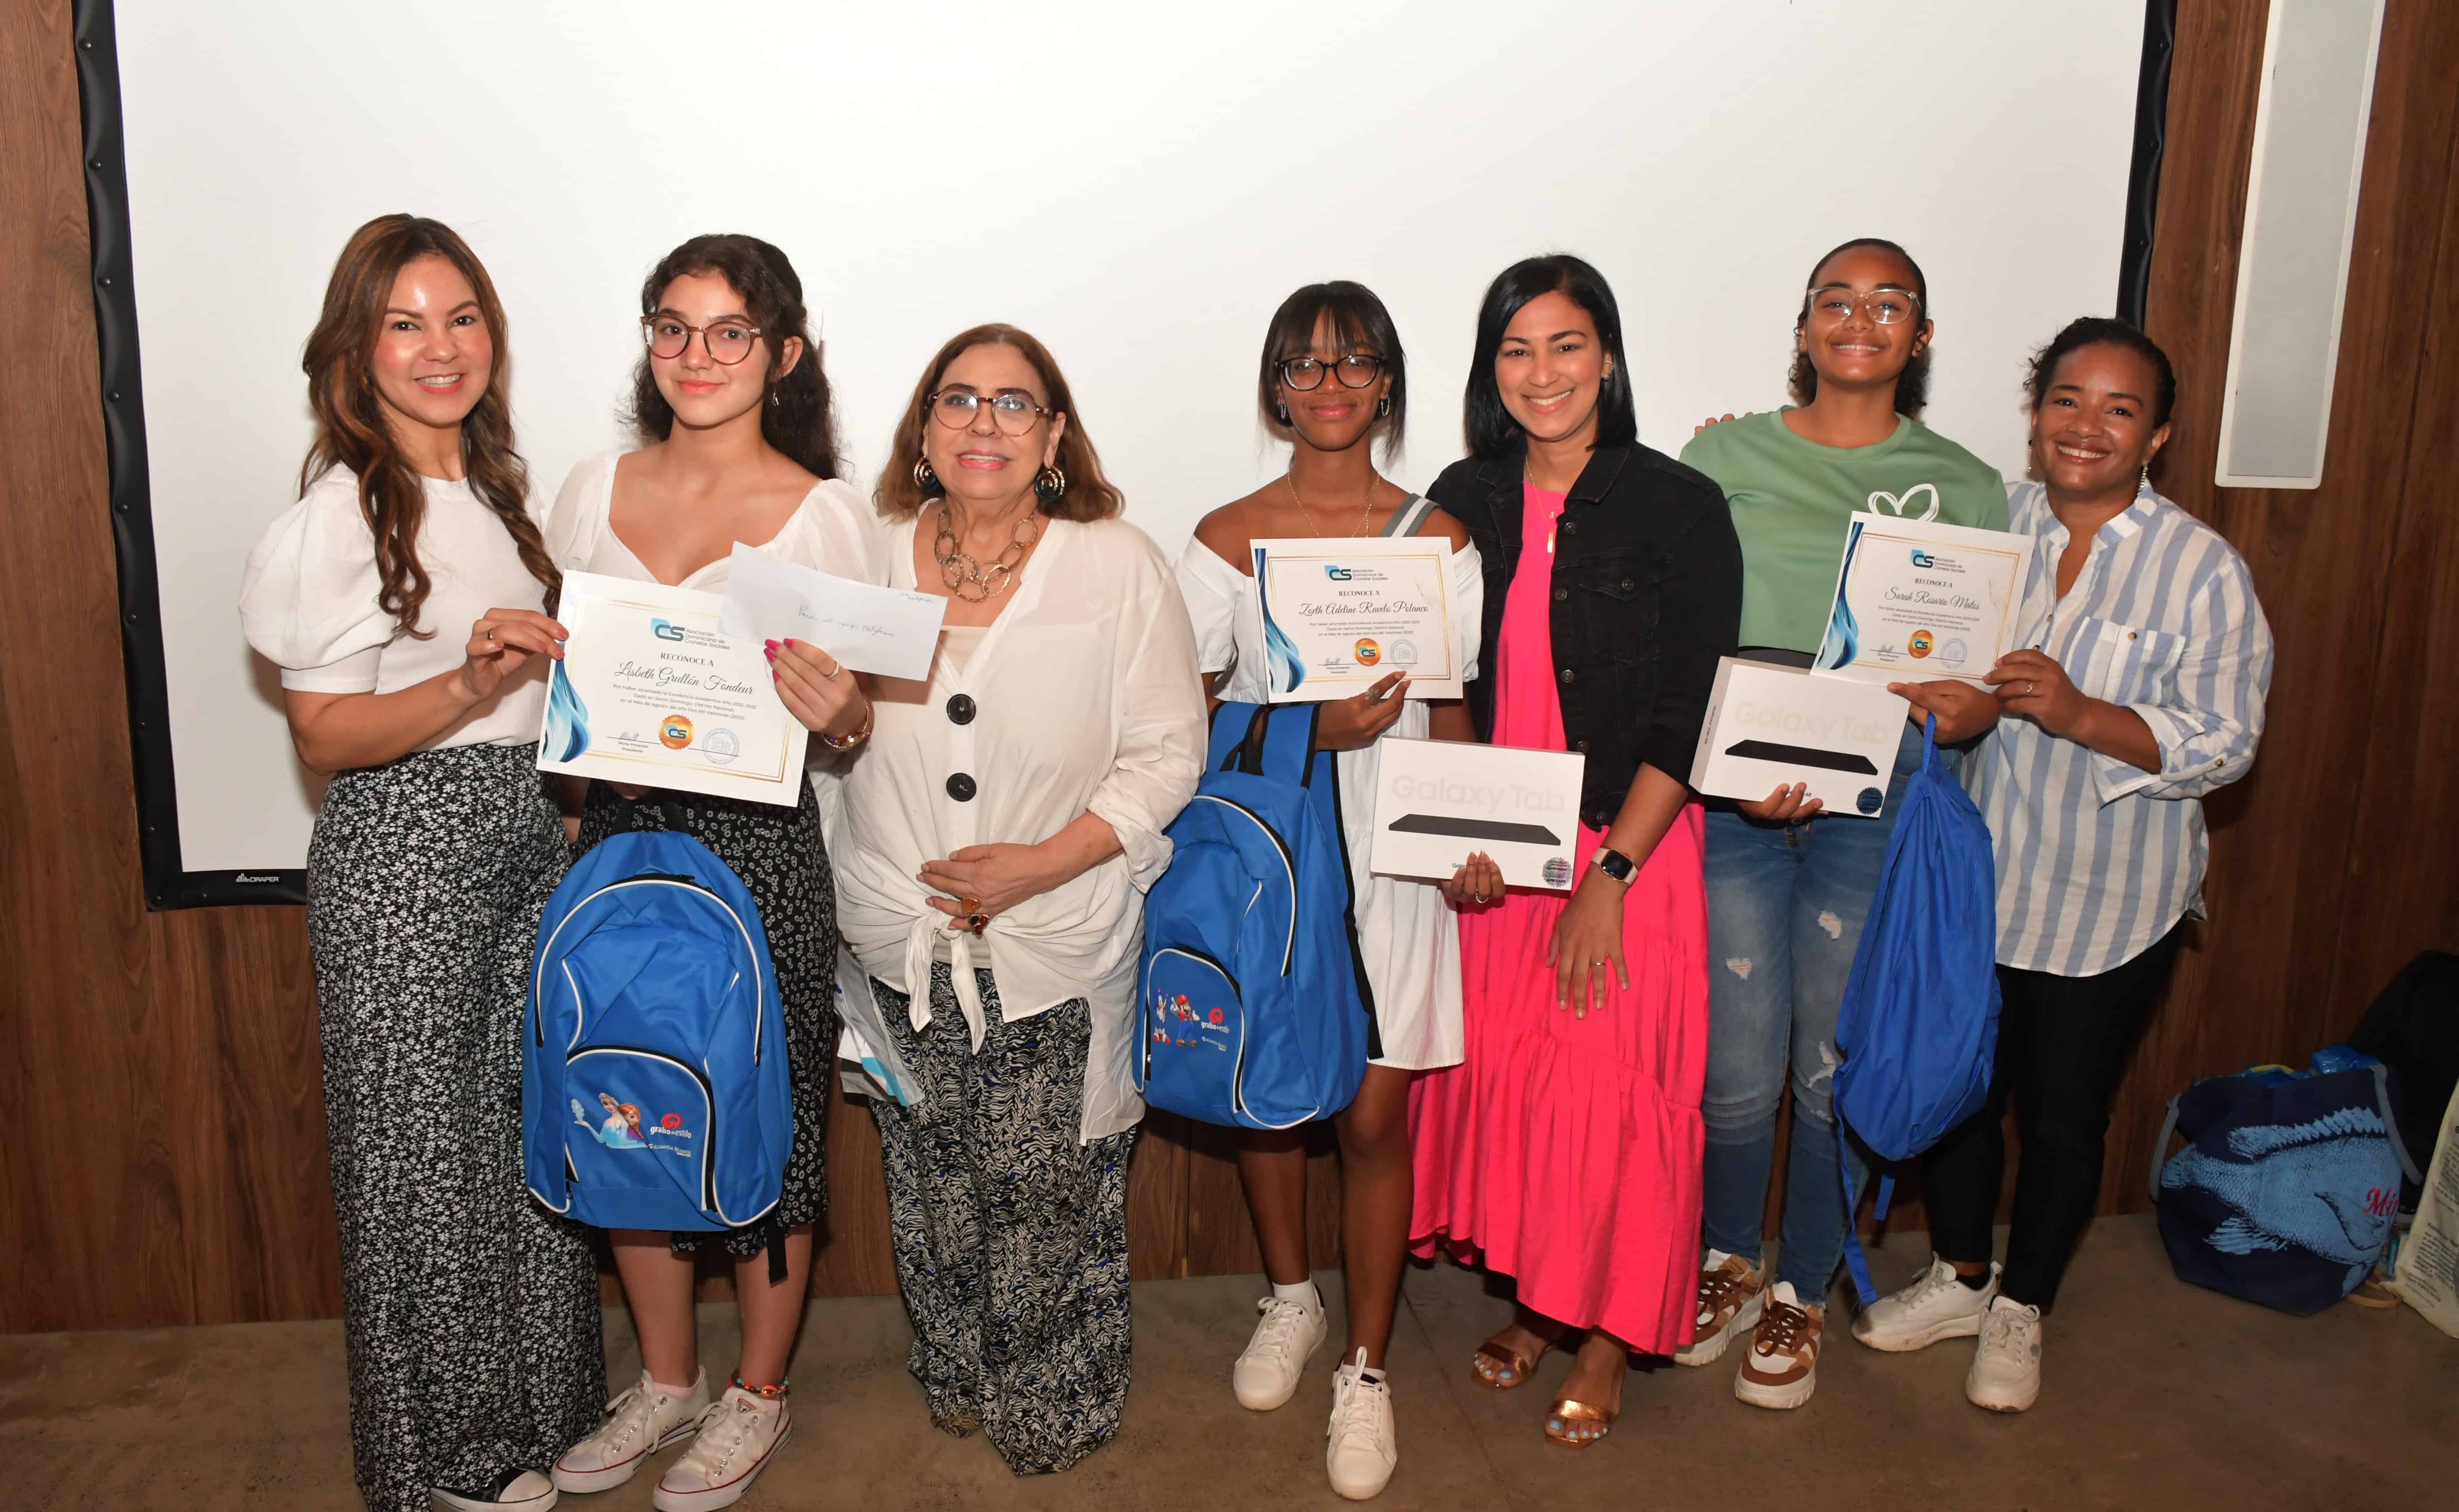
1405	519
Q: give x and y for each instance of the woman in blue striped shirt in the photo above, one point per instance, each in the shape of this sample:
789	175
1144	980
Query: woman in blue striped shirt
2141	691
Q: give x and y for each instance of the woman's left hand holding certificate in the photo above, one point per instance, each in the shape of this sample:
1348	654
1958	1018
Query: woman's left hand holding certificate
651	691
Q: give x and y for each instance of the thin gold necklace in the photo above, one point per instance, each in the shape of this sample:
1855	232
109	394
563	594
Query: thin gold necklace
1364	518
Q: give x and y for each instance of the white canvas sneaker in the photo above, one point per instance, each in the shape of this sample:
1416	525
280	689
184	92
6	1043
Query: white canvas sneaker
1364	1447
2005	1375
737	1437
1288	1333
639	1424
524	1489
1938	1305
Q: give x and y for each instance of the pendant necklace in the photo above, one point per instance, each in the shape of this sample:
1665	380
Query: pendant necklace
1365	516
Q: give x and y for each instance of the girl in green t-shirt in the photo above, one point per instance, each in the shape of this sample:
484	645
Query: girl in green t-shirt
1788	890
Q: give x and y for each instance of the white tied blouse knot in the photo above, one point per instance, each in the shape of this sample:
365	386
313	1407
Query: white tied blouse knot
1081	696
831	532
307	602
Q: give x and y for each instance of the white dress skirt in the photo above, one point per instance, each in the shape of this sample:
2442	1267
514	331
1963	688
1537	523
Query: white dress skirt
1407	933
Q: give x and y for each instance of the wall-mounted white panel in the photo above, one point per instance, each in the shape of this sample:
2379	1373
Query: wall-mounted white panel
2300	221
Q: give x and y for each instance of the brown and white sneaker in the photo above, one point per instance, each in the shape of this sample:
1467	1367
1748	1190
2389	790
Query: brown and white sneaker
1781	1368
1731	1291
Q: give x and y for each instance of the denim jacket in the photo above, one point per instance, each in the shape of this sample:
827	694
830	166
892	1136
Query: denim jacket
1647	594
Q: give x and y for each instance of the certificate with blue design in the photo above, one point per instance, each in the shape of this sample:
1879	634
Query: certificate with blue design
653	693
1916	601
1342	614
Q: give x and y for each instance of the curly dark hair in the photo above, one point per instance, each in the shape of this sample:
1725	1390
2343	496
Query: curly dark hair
1912	385
2097	330
798	415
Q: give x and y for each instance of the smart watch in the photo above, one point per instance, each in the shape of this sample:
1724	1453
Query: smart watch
1614	864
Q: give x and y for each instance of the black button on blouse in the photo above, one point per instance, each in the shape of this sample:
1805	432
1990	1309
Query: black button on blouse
960	787
960	709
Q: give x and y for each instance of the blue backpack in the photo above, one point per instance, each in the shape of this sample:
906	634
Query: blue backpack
654	1085
2289	1184
1254	1008
1919	1025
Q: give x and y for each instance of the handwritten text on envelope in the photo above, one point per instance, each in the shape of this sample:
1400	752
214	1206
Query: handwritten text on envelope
883	630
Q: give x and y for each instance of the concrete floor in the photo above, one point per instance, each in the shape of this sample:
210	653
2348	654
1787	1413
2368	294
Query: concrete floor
2155	1395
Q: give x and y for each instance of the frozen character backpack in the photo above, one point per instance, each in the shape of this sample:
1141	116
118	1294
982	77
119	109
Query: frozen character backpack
1919	1025
2289	1183
1253	1004
654	1086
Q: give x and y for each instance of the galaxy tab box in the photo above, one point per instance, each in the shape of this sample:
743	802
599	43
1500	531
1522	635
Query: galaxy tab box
1769	726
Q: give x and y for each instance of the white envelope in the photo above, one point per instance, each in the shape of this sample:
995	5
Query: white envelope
1770	727
1436	801
888	631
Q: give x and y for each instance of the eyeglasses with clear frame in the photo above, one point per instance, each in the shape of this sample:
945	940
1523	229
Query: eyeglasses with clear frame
1011	412
1305	374
669	336
1885	305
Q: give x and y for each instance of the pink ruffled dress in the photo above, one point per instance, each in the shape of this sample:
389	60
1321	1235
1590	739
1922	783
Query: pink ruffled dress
1565	1152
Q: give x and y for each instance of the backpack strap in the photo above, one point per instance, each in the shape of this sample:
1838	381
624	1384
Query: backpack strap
668	808
1277	741
2160	1147
1853	1260
2391	1124
1406	519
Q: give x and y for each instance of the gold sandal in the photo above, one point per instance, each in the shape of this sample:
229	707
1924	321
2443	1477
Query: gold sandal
1566	1411
1511	1368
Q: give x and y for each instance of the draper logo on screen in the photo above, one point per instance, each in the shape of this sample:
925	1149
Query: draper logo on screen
664	631
1337	574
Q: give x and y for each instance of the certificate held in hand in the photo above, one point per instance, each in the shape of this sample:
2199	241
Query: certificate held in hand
1340	615
1917	600
652	692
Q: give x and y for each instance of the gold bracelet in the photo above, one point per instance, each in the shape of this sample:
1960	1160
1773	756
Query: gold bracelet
870	710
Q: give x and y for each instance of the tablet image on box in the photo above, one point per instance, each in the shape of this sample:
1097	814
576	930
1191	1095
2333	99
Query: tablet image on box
1769	726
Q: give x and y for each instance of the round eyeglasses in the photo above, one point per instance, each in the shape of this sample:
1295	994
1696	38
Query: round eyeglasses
1011	412
729	342
1306	373
1886	306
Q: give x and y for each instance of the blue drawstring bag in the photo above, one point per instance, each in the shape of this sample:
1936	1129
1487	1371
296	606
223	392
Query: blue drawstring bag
1918	1026
2288	1186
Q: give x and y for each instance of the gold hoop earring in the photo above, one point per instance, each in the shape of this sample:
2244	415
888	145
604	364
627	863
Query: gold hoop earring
1051	486
923	477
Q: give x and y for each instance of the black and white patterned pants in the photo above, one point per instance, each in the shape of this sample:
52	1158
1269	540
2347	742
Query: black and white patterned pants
469	1312
1011	1236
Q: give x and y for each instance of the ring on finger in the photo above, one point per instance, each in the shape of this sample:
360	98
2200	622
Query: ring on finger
975	922
2030	689
971	907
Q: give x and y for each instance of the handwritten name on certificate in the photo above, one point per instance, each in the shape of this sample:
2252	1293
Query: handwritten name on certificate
1340	615
652	691
889	631
1917	601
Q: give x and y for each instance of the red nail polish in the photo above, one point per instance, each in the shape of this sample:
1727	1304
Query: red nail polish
771	652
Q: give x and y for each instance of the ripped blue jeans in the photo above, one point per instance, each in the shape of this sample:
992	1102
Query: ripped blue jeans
1785	909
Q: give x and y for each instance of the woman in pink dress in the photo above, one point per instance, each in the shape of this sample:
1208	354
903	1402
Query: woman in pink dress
1565	1150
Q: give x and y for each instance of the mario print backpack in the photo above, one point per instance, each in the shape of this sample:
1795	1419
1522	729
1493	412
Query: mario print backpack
1254	1008
654	1085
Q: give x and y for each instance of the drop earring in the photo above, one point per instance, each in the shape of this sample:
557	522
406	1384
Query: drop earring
924	478
1383	408
1281	412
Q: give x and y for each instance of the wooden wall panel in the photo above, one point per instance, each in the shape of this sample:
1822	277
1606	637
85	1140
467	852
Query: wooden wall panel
165	1160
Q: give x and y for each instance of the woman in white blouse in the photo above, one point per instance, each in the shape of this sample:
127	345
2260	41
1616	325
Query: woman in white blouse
733	409
1334	383
404	597
994	845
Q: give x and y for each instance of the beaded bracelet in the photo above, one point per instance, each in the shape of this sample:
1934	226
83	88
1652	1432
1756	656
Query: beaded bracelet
846	743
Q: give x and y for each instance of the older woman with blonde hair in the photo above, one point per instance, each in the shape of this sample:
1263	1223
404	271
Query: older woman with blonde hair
994	841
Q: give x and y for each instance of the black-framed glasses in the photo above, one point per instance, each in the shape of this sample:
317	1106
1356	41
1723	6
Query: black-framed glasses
1011	412
729	342
1886	306
1307	372
1356	370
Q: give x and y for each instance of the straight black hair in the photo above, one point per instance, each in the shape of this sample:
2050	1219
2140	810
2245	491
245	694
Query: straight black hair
1489	427
797	416
1360	323
1912	385
2097	330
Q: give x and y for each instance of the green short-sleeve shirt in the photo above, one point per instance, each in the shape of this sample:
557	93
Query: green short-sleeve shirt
1791	498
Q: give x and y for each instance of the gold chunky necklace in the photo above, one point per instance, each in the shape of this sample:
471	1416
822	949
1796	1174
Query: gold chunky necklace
1364	516
971	580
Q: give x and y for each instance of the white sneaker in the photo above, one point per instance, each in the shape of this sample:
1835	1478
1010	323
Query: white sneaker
525	1489
1267	1375
737	1436
1937	1306
1364	1448
639	1424
2005	1375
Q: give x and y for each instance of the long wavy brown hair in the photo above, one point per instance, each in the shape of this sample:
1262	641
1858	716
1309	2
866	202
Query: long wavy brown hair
1089	495
351	430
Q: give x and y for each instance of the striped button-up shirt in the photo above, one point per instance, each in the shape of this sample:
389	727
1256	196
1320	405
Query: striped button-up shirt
2097	858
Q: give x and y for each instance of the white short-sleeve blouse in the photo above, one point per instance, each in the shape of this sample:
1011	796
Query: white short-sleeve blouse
308	603
1406	933
831	530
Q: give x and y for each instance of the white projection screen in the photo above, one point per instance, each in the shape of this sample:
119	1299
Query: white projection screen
1137	185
